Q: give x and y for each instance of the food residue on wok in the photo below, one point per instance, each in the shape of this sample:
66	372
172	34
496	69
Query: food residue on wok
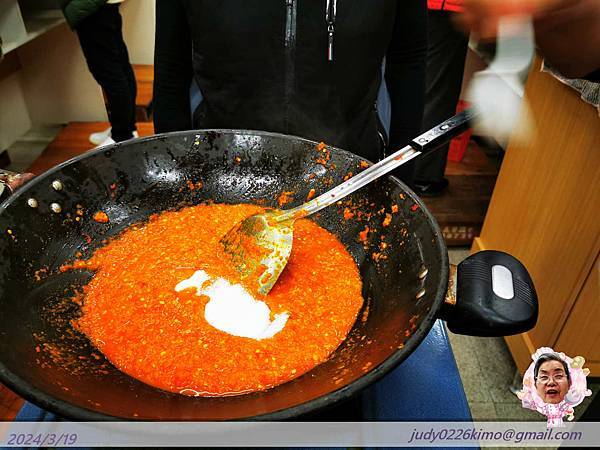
284	198
101	217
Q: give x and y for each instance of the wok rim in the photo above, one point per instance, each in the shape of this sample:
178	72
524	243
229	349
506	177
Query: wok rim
68	410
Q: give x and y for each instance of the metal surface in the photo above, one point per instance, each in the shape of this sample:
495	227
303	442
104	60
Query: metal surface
131	181
450	299
273	240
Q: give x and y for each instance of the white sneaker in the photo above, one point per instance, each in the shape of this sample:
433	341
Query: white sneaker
99	137
105	142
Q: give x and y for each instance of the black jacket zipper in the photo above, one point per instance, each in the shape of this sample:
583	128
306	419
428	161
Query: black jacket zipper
330	13
290	63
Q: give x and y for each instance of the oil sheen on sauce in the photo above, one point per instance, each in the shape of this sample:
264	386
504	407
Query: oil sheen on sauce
167	308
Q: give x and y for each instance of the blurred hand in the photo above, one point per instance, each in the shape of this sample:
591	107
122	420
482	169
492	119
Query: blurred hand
566	31
482	16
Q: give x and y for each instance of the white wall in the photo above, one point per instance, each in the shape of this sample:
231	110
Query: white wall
14	115
54	85
138	29
58	85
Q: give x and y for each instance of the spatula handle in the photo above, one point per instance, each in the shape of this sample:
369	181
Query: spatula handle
441	134
431	140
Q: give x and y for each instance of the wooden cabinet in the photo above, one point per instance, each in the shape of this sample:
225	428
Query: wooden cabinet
545	210
581	334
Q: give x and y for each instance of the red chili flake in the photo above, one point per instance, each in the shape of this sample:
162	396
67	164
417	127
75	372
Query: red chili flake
414	207
362	236
387	220
285	197
113	186
101	217
365	315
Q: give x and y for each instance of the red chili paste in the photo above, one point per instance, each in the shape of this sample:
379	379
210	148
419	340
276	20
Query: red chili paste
132	313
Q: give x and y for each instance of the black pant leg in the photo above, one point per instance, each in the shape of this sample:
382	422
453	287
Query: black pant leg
102	43
130	74
447	50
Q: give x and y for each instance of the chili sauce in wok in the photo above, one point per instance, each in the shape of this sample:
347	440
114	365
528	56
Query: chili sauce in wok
132	313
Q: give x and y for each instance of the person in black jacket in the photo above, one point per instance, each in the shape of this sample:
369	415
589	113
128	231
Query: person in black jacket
310	68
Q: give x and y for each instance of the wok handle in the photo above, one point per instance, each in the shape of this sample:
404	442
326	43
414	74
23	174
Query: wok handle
495	296
11	181
442	134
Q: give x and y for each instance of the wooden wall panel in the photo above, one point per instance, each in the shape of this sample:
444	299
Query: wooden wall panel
581	334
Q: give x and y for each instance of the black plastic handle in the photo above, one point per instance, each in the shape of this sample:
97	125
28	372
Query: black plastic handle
445	132
494	297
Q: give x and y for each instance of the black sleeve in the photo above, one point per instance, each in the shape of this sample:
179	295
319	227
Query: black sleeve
405	71
172	68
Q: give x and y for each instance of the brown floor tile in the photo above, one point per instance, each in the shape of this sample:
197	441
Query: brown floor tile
502	393
483	411
514	411
475	389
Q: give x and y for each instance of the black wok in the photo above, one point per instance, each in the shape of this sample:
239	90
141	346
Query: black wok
44	360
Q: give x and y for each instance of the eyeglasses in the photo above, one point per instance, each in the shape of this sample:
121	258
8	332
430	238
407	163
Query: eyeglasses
545	379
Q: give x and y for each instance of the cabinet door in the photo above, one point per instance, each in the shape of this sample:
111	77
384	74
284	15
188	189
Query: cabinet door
581	334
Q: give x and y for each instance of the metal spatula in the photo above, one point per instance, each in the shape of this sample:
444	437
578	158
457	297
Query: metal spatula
260	245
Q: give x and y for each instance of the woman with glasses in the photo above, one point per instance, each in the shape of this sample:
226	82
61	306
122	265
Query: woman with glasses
552	378
552	382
